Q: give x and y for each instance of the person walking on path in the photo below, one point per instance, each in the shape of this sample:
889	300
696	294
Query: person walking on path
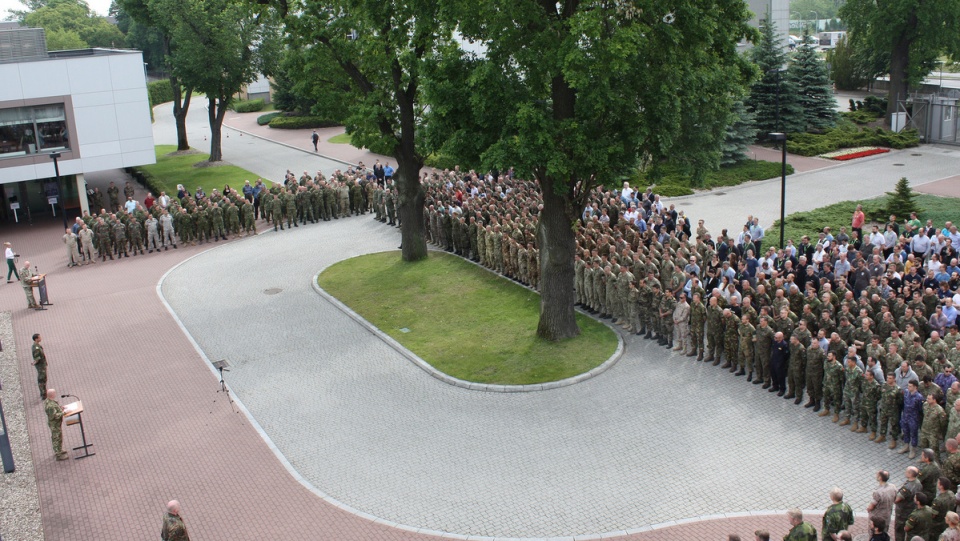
55	422
316	139
173	527
11	264
40	363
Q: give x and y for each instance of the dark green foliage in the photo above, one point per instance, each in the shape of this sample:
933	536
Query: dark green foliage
861	116
263	120
284	122
808	72
847	67
248	106
775	91
671	190
741	132
808	144
159	92
902	200
439	160
676	175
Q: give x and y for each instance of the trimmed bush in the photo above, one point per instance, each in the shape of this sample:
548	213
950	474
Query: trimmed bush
808	144
671	190
159	92
861	116
300	122
248	106
440	161
731	175
263	120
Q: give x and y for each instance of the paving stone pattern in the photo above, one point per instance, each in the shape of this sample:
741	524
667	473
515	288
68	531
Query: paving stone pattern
656	438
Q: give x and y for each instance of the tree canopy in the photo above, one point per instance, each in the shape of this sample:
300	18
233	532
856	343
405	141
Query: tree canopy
69	24
590	87
909	34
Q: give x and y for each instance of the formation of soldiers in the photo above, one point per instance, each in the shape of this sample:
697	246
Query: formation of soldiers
865	348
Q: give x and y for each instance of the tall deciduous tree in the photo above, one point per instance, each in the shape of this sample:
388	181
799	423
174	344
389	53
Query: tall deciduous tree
221	45
773	97
913	33
69	24
808	72
377	50
150	16
593	85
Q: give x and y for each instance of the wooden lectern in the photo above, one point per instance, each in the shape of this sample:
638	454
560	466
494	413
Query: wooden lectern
73	415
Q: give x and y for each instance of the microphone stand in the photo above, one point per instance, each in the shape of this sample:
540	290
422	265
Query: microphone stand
86	446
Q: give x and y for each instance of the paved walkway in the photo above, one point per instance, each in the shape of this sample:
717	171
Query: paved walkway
364	425
162	431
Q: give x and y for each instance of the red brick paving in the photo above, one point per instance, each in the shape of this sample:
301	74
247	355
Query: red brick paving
159	428
948	187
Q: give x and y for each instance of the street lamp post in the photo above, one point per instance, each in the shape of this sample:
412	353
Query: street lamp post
778	71
56	168
782	139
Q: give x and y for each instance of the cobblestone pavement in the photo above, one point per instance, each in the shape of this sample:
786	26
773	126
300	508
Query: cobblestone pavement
374	432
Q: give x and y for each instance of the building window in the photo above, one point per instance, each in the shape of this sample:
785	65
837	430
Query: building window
31	130
948	113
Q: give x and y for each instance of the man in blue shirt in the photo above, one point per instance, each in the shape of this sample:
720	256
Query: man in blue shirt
388	171
910	418
248	191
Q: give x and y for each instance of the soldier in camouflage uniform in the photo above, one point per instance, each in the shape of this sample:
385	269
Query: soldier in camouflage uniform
934	423
870	393
135	234
714	331
55	422
796	367
853	377
745	354
891	400
698	316
216	222
763	349
731	339
832	381
814	375
290	209
120	235
667	305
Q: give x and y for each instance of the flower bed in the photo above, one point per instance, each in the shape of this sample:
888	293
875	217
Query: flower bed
854	153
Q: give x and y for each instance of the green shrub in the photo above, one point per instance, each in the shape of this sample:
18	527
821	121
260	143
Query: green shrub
263	120
732	175
440	161
159	92
861	116
671	190
300	122
809	144
248	106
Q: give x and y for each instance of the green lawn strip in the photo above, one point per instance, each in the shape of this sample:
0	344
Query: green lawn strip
341	139
172	170
464	320
938	209
673	180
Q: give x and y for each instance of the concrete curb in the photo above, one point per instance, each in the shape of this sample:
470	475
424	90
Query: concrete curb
470	385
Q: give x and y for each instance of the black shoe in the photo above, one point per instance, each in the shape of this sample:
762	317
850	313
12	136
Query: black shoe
809	404
816	407
757	381
773	390
150	251
798	400
765	385
740	372
750	377
780	393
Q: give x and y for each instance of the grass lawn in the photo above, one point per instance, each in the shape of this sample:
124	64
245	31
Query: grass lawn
672	180
464	320
938	209
342	139
172	170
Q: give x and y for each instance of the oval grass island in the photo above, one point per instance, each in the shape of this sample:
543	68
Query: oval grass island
464	320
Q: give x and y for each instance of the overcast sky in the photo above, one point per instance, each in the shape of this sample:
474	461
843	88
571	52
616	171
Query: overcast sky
99	6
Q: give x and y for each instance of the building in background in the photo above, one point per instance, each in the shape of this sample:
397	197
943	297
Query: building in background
89	106
779	12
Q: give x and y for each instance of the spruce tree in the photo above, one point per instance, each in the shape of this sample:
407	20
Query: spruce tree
741	131
902	200
770	57
808	72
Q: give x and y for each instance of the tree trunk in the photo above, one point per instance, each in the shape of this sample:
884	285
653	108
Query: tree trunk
899	64
557	248
181	104
412	234
216	110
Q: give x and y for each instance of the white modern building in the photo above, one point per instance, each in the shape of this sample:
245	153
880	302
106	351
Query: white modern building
88	107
